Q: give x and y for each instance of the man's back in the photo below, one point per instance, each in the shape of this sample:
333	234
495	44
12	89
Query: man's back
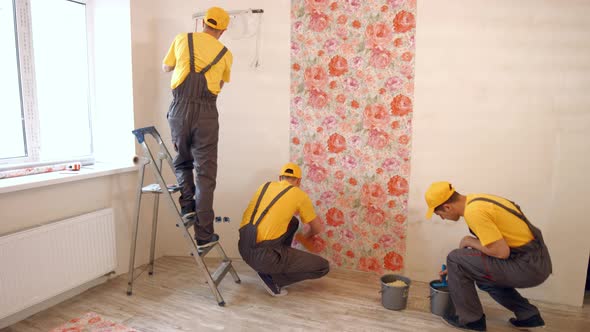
206	48
491	222
276	221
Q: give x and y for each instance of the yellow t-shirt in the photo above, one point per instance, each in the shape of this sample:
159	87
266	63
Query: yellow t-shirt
276	221
491	222
205	49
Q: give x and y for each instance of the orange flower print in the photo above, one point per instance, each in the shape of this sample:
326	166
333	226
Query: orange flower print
404	21
356	24
296	67
342	19
393	261
330	233
384	8
334	217
339	175
407	56
398	42
314	153
369	264
317	174
401	105
395	125
397	186
331	161
337	247
378	35
373	194
333	85
337	259
375	216
94	320
318	99
354	104
316	5
352	181
319	21
403	139
391	204
338	66
334	6
315	77
336	143
376	245
296	140
375	116
319	244
400	218
350	254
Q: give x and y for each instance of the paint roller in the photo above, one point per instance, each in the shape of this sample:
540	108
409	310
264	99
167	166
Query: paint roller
444	279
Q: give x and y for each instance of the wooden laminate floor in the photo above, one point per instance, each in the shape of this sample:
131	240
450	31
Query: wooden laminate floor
176	298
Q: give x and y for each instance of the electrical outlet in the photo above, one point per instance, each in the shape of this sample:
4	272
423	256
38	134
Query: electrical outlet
226	219
218	219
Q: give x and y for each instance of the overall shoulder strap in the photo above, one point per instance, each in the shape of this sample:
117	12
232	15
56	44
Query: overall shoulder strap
216	60
274	200
258	201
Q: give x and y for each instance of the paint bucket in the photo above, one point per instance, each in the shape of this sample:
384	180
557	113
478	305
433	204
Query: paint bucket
394	298
440	300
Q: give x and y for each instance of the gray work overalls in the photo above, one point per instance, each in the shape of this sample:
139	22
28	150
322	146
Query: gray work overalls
286	265
527	266
194	124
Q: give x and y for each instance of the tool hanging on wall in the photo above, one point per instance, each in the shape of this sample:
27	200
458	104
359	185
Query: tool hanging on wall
243	24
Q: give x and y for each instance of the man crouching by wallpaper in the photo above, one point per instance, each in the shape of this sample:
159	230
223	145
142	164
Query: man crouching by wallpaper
267	230
505	252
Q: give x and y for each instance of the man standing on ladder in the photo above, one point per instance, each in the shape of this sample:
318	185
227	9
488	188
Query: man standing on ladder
267	230
506	252
201	66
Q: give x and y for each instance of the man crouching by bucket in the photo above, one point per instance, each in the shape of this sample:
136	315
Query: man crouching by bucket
506	252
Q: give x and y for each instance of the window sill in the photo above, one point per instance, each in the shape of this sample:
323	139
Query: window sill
47	179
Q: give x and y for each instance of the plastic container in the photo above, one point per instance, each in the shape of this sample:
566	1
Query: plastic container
440	300
394	298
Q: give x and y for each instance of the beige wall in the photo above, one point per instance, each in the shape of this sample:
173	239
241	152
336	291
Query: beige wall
502	106
253	107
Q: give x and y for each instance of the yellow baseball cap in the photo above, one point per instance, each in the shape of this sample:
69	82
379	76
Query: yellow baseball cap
292	170
437	193
217	18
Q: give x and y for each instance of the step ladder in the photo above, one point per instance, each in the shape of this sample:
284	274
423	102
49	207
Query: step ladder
183	225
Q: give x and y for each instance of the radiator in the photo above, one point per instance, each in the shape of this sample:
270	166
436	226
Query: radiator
42	262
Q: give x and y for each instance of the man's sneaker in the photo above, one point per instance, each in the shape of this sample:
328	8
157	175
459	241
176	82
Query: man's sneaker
186	217
529	323
270	286
208	243
478	325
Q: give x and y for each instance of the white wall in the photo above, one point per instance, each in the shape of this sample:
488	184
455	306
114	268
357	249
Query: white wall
502	107
253	107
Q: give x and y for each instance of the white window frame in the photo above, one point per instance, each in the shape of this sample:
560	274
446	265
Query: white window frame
29	107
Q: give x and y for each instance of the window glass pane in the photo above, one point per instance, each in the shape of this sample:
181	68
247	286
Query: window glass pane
12	138
61	72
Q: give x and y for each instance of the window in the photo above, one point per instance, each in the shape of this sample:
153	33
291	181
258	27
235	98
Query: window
46	111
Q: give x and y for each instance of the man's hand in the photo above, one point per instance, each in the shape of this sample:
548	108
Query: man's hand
469	242
498	249
443	273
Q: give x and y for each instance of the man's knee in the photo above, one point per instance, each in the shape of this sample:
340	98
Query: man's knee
453	257
321	267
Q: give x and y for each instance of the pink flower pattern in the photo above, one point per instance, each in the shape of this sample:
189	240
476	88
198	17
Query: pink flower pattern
352	81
